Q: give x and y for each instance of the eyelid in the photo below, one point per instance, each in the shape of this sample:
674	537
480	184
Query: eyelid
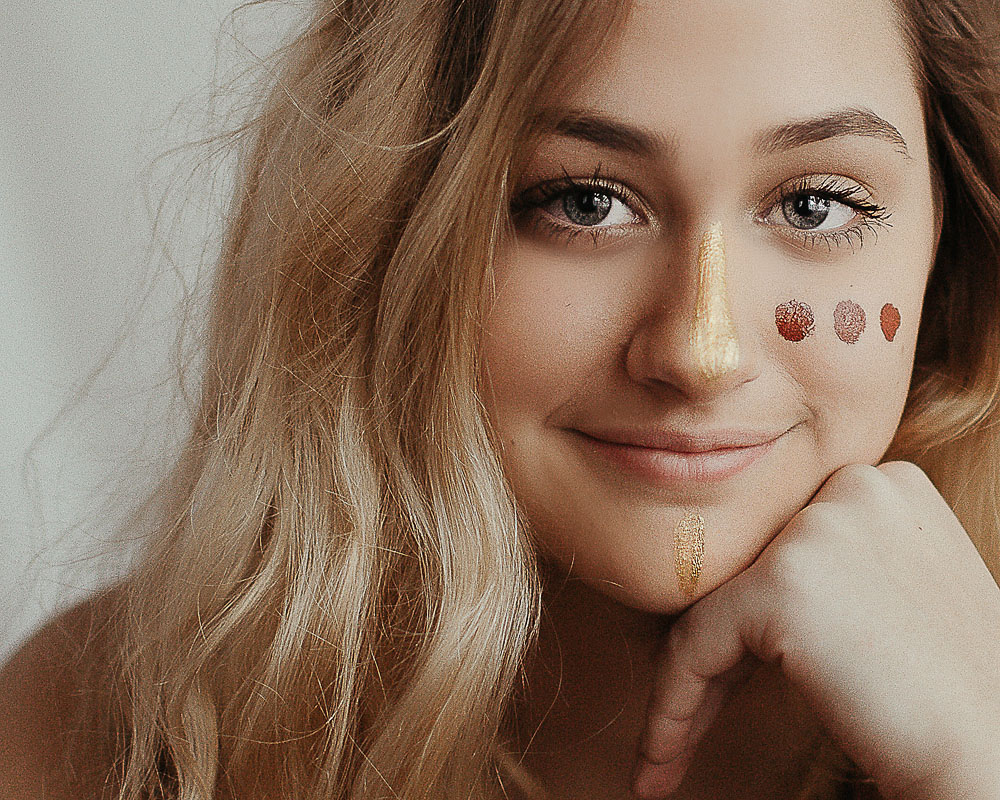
806	181
851	193
819	183
546	190
869	216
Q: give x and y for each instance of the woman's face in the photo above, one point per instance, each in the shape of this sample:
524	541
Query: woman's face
799	132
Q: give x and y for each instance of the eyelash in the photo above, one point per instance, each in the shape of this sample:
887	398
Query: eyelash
832	187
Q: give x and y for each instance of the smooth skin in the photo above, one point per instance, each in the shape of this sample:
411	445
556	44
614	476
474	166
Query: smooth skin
891	638
838	593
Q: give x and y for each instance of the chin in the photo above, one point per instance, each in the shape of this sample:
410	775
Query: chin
641	571
648	591
662	597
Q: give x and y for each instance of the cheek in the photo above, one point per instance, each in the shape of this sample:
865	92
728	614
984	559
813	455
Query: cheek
550	331
851	357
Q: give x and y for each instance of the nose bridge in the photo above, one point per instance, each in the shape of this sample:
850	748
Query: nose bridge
714	343
692	342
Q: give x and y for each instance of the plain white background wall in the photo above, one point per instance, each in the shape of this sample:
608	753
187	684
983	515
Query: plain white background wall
90	94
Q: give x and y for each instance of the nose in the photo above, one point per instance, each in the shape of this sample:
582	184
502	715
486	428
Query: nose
713	334
692	342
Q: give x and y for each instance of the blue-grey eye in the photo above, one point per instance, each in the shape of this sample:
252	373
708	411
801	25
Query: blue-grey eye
586	207
806	211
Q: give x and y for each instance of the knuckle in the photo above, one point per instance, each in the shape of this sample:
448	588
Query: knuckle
791	569
817	516
786	572
904	472
856	476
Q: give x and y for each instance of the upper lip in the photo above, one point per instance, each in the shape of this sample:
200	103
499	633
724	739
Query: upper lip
687	441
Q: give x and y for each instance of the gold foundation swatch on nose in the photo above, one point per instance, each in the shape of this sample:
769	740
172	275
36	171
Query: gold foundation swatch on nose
713	334
689	551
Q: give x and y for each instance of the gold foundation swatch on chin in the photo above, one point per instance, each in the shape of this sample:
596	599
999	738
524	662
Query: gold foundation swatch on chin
689	551
713	334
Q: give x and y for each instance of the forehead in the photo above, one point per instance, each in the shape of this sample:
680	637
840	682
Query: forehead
712	74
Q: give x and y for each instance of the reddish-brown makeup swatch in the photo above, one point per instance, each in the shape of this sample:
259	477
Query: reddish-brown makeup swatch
795	320
848	321
890	321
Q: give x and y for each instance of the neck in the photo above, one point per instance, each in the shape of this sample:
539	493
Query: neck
580	715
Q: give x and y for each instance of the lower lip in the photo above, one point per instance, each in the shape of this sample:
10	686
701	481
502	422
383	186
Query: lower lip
671	468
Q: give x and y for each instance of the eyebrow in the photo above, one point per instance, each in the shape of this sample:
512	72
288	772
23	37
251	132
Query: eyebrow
614	134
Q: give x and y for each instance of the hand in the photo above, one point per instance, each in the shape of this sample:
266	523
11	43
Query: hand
880	611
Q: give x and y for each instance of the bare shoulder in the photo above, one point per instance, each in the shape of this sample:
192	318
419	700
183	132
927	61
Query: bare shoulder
56	738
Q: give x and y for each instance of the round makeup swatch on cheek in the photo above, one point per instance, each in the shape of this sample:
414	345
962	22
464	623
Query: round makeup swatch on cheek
890	321
848	321
794	320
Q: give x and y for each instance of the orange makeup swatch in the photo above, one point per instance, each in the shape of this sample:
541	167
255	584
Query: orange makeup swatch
890	321
795	321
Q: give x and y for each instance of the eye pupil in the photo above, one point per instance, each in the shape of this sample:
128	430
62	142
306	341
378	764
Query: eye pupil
808	209
586	207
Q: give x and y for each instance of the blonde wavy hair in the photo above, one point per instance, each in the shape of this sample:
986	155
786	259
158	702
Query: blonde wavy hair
342	592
